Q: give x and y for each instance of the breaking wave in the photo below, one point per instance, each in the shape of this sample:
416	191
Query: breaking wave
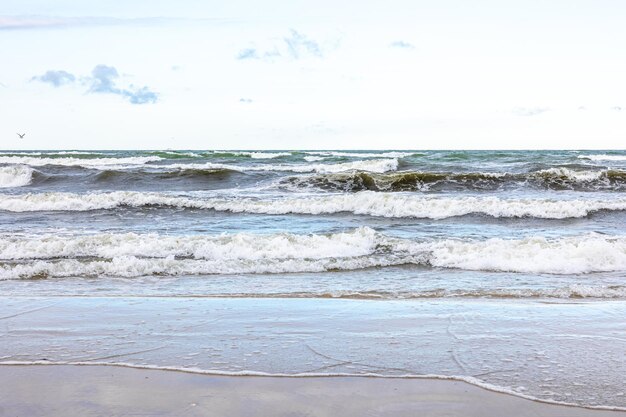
346	154
15	176
553	178
80	162
376	165
132	255
603	157
362	203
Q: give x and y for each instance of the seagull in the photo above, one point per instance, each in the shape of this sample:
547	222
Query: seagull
21	135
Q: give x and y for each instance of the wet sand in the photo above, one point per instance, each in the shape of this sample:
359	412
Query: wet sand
62	390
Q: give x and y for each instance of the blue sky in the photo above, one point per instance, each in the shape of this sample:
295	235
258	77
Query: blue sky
294	75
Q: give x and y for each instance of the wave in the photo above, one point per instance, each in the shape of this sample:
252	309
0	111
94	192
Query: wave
15	176
314	158
552	178
376	165
574	291
346	154
246	246
80	162
603	157
108	175
177	154
130	255
133	255
51	154
253	155
362	203
571	255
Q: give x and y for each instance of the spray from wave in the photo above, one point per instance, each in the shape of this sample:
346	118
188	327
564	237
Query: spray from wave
15	176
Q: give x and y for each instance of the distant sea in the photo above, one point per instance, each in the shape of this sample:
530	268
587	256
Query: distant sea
536	235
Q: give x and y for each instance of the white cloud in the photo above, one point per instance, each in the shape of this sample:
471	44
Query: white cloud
102	80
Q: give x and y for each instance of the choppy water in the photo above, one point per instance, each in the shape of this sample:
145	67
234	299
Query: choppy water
380	225
555	218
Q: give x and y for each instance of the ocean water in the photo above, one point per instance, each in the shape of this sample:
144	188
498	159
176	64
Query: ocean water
420	237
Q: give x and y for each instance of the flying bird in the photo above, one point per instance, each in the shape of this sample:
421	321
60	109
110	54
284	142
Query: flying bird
21	135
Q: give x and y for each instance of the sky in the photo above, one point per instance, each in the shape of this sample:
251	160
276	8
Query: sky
269	74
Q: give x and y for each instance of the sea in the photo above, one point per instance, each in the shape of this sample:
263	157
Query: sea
505	269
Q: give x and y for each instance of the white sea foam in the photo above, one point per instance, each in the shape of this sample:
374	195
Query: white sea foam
180	153
314	158
267	155
50	153
370	203
15	176
572	255
256	155
578	176
246	246
131	255
375	165
567	291
81	162
603	157
390	154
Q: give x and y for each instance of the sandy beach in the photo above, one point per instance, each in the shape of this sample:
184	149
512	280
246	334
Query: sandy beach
118	391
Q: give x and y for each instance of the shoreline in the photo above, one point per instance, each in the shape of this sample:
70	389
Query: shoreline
114	390
334	338
474	382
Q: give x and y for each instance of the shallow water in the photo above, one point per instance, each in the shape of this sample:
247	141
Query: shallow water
566	352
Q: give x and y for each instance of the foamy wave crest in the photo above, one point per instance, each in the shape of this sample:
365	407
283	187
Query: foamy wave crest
390	154
15	176
81	162
603	157
359	242
369	203
132	255
49	153
572	255
375	165
583	176
314	158
265	155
